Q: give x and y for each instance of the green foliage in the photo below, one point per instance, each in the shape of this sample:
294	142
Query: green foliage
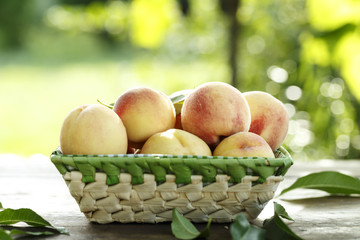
286	53
281	212
15	17
289	48
329	50
9	217
4	235
276	229
242	230
332	182
182	228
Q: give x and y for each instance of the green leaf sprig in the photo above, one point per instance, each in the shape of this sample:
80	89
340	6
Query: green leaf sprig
9	216
240	229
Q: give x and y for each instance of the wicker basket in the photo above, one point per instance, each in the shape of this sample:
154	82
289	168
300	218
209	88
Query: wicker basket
146	188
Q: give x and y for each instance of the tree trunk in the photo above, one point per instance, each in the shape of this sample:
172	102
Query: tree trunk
230	7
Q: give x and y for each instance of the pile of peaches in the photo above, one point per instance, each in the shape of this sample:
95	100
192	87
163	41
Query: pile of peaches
214	119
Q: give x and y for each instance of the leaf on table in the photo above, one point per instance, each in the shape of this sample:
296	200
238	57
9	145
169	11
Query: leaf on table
206	232
17	232
241	229
182	228
5	235
276	229
12	216
20	233
329	181
280	210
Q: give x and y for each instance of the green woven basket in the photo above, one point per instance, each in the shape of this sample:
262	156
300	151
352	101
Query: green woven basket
146	187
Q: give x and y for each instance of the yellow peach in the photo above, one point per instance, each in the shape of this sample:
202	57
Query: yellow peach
144	112
176	142
244	144
269	117
93	129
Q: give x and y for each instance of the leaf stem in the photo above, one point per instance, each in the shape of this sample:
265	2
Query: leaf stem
111	105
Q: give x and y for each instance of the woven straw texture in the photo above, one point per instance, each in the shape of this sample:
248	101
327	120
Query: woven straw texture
146	188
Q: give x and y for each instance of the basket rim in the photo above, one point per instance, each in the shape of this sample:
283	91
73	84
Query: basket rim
280	150
182	166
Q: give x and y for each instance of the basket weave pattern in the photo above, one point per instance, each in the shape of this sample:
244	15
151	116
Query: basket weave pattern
147	202
147	188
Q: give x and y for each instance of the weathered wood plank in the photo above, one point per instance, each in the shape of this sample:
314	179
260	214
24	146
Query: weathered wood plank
35	183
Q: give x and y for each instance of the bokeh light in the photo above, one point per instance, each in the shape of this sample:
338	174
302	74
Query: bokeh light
64	53
277	74
293	93
337	107
255	44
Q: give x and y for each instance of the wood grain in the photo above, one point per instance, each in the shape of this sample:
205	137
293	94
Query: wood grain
35	183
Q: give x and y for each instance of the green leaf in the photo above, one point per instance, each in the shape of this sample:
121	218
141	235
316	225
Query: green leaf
183	229
242	230
329	181
4	235
206	232
276	229
280	210
332	37
1	206
178	107
12	216
179	96
18	232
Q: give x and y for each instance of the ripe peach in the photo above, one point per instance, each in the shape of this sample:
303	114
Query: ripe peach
93	129
244	144
215	110
269	117
144	112
176	142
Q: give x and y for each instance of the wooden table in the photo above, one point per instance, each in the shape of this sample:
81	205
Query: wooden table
35	183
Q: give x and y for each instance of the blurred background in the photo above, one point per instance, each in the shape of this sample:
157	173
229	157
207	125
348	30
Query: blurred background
58	54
